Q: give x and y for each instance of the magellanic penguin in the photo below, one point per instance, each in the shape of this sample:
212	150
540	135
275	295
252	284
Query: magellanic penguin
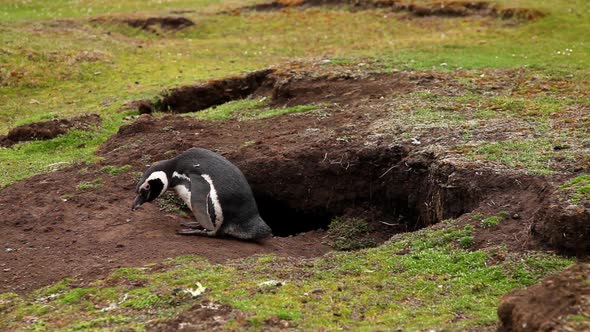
214	189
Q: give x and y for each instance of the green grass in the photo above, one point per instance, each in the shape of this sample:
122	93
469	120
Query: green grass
27	159
247	109
578	187
114	170
76	295
228	110
490	222
529	154
89	185
493	221
429	286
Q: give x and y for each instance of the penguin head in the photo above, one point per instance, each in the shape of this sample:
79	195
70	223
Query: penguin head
152	184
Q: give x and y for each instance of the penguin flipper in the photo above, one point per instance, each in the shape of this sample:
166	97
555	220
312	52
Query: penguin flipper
199	193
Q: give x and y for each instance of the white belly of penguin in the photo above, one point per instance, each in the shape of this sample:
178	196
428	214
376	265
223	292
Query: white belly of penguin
184	194
215	200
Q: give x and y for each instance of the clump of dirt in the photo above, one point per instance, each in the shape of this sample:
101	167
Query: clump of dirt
421	9
547	305
148	24
48	129
564	225
195	98
205	316
145	107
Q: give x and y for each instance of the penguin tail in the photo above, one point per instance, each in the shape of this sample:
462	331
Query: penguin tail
261	229
253	229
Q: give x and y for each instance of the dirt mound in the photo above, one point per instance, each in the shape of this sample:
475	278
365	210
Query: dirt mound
547	305
205	316
420	9
48	129
148	24
208	316
195	98
286	89
564	225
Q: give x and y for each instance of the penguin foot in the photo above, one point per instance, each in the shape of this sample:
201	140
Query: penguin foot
193	231
192	224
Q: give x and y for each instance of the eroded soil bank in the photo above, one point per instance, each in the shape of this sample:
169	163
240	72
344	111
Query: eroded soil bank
45	130
416	9
550	305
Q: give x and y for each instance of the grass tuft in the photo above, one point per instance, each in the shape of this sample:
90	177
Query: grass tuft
579	188
346	234
114	170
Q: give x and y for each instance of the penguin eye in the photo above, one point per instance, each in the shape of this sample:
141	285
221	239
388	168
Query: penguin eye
147	186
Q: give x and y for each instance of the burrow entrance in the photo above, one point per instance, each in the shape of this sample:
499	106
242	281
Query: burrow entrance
393	189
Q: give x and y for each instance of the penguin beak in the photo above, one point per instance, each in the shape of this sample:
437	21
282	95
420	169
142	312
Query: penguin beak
137	203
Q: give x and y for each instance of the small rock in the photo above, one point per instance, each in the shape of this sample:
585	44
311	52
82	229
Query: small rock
516	216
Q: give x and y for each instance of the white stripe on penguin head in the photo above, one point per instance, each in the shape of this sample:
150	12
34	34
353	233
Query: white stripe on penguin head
161	176
180	176
215	200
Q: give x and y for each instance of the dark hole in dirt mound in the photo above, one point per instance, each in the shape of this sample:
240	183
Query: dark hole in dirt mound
545	306
195	98
286	220
164	22
48	129
441	8
390	189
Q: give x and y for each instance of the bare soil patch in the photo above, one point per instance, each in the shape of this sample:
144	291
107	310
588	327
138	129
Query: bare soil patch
304	170
48	129
421	9
546	306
